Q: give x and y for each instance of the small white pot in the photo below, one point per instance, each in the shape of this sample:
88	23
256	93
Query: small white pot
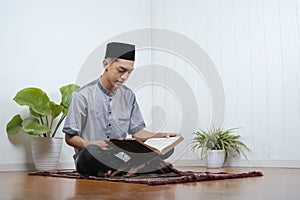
46	152
215	158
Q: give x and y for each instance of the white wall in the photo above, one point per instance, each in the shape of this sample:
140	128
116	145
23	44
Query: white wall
252	45
44	44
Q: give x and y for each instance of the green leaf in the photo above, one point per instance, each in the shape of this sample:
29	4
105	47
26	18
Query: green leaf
14	125
55	109
66	94
35	98
33	113
33	127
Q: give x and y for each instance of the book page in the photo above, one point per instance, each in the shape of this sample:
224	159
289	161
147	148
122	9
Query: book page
162	143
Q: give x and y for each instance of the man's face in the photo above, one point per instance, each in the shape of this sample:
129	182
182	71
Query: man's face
118	71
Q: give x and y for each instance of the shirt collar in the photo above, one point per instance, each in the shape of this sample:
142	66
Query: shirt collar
104	90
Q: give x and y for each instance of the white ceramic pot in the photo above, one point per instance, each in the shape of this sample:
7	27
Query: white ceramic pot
215	158
46	152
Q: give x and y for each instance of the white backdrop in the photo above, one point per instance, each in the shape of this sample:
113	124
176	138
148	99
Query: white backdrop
253	44
44	44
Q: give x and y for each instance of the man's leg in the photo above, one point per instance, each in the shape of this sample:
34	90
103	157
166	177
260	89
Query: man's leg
94	161
150	162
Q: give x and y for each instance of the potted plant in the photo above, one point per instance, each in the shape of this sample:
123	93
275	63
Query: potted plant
217	144
43	120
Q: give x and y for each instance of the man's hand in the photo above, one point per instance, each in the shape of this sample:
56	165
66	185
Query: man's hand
167	135
103	144
144	135
79	143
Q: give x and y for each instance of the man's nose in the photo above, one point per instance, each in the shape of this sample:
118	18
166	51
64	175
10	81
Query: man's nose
125	75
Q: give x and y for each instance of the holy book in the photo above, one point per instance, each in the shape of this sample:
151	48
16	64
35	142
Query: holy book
135	145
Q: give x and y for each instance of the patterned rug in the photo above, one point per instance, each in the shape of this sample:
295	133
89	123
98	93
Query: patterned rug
154	179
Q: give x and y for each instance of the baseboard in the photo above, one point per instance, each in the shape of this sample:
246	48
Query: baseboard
16	167
244	163
30	166
188	162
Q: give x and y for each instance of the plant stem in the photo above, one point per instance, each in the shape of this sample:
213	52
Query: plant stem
58	124
42	122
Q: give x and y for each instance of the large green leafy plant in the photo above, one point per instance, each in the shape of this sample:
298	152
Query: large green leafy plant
219	139
43	112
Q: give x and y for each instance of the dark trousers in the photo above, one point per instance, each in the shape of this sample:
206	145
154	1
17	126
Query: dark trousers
94	161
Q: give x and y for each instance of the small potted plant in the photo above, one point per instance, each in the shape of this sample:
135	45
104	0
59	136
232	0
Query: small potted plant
217	144
43	120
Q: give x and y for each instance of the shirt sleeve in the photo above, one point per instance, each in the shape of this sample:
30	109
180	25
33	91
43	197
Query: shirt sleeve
76	115
136	120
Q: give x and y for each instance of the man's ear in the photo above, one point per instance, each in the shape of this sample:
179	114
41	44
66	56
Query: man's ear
105	64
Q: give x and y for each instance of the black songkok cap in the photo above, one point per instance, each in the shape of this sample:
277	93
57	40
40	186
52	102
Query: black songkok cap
120	50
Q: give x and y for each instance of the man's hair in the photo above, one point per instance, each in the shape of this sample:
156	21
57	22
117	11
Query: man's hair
111	60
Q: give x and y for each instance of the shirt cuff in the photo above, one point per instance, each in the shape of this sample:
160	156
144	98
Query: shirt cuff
136	129
69	131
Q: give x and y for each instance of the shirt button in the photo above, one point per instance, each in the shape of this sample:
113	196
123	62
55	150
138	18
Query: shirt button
110	112
107	137
109	124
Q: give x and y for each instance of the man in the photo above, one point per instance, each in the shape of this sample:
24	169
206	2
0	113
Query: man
104	109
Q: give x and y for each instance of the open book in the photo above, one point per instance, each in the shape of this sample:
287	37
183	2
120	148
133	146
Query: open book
135	145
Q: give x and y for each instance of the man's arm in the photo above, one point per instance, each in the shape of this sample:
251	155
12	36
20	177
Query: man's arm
78	143
144	135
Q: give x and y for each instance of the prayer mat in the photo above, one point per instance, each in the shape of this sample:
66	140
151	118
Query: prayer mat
154	179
